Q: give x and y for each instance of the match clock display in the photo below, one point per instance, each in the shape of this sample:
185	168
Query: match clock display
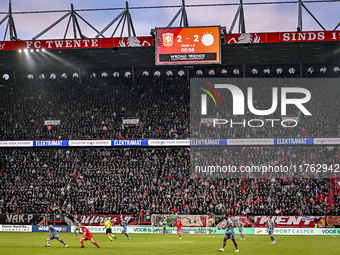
192	45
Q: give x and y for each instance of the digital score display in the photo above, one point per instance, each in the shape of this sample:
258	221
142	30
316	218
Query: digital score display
192	45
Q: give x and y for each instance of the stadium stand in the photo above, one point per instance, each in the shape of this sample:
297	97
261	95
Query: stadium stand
157	180
324	108
94	109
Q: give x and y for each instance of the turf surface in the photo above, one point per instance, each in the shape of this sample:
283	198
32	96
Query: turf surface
33	243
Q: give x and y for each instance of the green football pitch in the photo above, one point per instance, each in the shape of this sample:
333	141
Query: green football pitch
33	243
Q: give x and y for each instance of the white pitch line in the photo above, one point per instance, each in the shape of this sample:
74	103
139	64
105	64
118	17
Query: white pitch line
172	242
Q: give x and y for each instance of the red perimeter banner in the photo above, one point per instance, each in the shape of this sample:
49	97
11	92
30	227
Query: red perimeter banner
244	220
287	221
97	219
333	221
281	37
91	43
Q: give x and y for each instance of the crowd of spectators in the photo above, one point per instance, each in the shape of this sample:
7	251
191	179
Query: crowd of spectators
295	192
161	181
94	109
164	109
23	108
158	180
324	107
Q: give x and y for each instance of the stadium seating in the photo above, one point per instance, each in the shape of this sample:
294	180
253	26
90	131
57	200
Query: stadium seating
130	180
94	109
155	180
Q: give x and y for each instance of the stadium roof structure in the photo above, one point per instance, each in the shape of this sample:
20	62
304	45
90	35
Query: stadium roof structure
124	18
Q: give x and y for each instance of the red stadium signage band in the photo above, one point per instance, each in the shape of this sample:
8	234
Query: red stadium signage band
281	37
287	221
133	41
91	43
6	45
61	44
97	219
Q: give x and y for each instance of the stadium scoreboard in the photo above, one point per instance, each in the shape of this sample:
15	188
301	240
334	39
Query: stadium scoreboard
190	45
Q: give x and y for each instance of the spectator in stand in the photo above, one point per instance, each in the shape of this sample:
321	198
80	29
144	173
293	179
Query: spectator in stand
94	109
136	180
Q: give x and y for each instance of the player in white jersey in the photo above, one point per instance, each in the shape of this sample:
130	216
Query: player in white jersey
270	229
240	226
53	235
229	232
76	226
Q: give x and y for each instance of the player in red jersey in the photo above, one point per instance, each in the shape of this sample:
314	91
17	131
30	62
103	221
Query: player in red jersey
86	236
179	226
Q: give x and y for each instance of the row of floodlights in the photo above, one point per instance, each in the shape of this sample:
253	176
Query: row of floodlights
292	70
236	71
105	74
127	74
181	73
267	71
31	50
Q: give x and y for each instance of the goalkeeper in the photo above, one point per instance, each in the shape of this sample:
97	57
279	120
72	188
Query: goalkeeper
165	224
